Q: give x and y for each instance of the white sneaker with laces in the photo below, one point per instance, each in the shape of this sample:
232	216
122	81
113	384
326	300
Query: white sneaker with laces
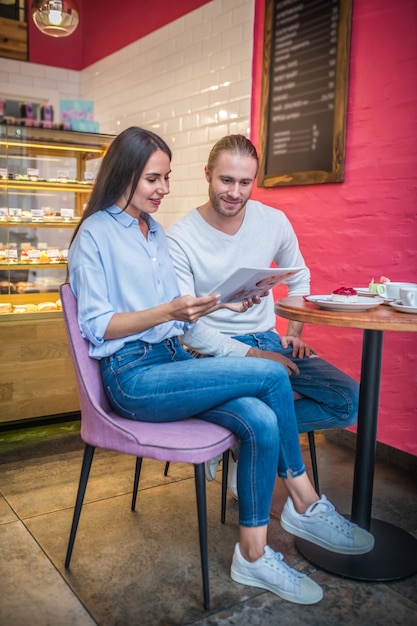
323	525
210	467
232	476
271	573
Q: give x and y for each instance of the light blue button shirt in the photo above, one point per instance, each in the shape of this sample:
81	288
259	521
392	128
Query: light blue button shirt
113	268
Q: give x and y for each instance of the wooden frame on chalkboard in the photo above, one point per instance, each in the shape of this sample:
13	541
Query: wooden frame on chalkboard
319	152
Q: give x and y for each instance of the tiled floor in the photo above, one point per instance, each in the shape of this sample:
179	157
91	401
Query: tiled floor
143	568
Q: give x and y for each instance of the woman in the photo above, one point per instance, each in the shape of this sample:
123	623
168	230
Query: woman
131	311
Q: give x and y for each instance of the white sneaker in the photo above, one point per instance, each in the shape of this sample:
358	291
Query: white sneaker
271	573
323	525
232	476
210	467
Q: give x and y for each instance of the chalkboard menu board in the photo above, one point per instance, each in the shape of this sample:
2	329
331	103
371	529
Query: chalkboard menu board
304	91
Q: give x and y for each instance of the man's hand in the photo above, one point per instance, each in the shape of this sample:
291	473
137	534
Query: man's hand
238	307
274	356
300	349
243	305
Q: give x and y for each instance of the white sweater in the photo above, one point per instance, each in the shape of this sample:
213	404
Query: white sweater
204	256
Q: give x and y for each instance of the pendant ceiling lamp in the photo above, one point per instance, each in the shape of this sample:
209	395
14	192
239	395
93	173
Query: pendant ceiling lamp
56	18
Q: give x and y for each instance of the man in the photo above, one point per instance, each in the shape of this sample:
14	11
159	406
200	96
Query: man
231	231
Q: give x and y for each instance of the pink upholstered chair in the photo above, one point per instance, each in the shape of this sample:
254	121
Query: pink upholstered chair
189	441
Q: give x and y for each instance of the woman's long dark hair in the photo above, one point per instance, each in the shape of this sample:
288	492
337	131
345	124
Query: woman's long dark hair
121	168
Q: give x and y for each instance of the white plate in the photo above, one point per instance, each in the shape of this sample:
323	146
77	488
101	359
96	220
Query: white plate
362	304
364	291
402	307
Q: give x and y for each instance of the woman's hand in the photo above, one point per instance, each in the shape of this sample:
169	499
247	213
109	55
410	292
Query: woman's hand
182	309
190	309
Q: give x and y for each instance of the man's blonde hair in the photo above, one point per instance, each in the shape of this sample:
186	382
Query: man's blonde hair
237	144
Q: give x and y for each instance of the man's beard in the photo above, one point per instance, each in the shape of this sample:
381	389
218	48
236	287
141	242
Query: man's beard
216	204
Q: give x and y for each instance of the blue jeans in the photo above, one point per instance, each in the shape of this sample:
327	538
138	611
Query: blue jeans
251	397
331	397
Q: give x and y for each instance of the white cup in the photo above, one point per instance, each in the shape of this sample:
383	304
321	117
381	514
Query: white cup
392	290
408	296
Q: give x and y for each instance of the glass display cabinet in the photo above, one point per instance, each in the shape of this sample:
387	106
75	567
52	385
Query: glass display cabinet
46	177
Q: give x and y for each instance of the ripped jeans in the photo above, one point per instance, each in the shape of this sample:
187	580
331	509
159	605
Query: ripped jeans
251	397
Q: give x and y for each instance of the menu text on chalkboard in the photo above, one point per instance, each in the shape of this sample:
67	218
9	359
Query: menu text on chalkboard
304	91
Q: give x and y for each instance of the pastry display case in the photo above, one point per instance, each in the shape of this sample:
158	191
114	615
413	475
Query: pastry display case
46	177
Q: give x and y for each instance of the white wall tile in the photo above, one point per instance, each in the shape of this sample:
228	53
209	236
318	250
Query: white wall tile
36	83
222	23
24	79
164	82
34	70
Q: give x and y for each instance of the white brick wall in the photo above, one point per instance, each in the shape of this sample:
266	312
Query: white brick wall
38	83
189	81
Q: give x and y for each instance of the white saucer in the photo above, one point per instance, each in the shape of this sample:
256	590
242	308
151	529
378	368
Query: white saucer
362	304
398	306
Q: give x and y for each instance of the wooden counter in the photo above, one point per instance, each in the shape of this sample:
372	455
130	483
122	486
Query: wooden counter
36	371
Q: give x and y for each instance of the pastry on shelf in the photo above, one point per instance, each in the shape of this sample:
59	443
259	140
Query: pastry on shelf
47	306
43	257
25	287
24	257
25	308
6	287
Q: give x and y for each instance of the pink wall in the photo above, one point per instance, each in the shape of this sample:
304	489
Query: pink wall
105	27
367	225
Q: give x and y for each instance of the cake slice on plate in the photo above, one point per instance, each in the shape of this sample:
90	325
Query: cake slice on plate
344	294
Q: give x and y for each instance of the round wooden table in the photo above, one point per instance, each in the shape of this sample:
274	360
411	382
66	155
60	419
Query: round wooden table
395	553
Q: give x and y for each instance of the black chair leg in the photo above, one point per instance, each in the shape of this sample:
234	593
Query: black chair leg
200	488
85	472
138	467
313	457
224	484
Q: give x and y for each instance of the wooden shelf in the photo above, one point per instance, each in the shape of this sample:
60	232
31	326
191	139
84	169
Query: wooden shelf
44	185
26	224
31	266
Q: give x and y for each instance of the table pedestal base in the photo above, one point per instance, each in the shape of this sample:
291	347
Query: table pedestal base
394	556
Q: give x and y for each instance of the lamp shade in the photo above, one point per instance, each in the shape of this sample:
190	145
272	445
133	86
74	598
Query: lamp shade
56	18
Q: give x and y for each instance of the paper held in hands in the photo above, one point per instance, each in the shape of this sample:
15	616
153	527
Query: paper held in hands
248	282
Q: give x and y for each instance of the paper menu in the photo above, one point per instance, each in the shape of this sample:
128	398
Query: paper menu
248	282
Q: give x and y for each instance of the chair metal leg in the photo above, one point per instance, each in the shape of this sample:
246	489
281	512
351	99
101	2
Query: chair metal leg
138	467
85	472
200	488
224	484
313	457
